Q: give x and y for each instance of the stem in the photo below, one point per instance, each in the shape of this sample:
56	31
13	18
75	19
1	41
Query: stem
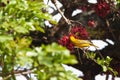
4	68
13	75
79	58
107	76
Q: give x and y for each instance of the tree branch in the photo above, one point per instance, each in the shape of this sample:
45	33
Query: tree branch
66	20
16	73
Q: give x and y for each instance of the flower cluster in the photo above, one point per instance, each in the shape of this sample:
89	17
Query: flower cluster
102	8
78	31
65	41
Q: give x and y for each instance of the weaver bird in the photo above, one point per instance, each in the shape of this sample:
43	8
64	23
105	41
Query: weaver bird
81	43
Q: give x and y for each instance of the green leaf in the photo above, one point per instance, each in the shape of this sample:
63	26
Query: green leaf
4	1
70	60
40	29
17	19
104	68
4	38
53	78
20	29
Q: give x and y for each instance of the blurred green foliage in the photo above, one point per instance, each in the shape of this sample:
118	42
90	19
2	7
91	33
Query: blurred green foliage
103	62
118	4
17	19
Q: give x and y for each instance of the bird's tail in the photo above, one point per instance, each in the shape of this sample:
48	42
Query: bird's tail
94	45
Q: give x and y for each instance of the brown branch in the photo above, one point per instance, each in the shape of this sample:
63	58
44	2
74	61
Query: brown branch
56	11
79	57
108	26
66	20
20	72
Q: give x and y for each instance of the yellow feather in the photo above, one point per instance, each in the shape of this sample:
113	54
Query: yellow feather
81	43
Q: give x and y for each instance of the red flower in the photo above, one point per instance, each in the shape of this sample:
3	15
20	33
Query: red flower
65	41
91	23
102	9
79	32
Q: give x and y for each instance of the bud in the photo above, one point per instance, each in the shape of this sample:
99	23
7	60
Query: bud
91	23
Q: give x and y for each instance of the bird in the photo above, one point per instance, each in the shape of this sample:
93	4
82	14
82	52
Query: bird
79	43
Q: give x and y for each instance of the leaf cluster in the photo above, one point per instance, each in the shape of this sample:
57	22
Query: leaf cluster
17	19
103	62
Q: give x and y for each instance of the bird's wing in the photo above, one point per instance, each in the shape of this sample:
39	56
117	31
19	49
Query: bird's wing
83	41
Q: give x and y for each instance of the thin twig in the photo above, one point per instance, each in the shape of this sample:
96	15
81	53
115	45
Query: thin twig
77	22
56	11
99	53
108	25
66	20
17	73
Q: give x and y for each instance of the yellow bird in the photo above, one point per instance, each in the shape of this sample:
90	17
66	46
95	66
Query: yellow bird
81	43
